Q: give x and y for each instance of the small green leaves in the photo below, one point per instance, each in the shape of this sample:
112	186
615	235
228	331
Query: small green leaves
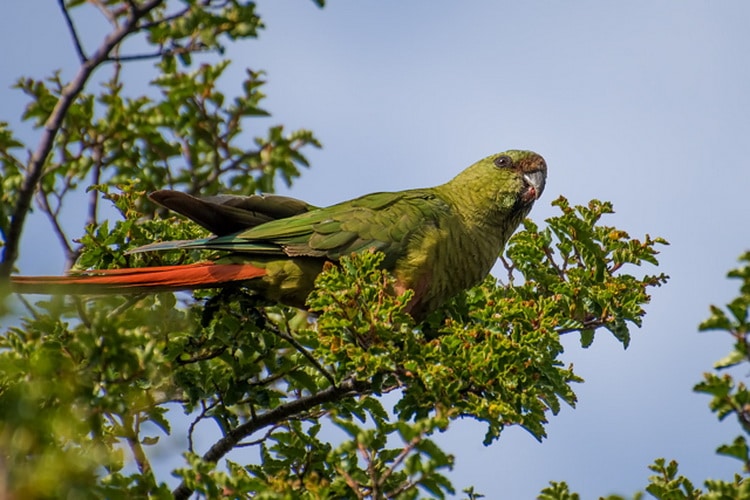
557	491
727	396
492	354
392	472
362	326
738	449
11	167
737	322
582	271
496	356
667	484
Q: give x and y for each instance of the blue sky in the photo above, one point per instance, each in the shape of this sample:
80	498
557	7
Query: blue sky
641	103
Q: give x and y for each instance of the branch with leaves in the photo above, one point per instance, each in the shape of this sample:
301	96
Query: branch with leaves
728	398
113	137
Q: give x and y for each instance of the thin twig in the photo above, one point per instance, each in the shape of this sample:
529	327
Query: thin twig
202	357
406	485
95	179
589	324
82	313
196	421
301	349
192	45
166	19
131	436
266	381
129	302
73	32
551	260
399	459
259	440
368	457
107	13
509	268
28	306
56	227
138	57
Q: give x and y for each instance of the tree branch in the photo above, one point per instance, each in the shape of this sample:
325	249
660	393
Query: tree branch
73	33
399	460
52	215
196	421
161	52
224	445
592	323
301	349
52	126
132	429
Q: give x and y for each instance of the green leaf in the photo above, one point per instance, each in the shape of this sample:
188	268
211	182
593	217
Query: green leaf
738	449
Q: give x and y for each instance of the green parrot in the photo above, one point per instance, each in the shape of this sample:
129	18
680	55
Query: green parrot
437	241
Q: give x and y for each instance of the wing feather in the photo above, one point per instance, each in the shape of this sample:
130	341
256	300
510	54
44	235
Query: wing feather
382	221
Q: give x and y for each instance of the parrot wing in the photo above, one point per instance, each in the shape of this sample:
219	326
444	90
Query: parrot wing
381	221
228	214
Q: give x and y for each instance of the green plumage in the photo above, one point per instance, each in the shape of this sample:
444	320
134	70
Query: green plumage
437	241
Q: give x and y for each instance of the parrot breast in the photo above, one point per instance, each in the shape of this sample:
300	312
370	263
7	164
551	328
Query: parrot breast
444	260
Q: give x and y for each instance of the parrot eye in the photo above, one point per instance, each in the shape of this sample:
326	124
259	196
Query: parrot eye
503	161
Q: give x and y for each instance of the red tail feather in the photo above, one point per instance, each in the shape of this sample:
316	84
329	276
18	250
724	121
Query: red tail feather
164	278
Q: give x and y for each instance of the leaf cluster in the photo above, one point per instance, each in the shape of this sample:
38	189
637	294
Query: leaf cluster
728	398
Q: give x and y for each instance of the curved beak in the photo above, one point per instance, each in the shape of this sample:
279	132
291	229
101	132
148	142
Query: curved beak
536	180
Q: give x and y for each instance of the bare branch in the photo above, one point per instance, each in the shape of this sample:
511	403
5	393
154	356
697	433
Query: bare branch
160	52
196	421
57	228
551	260
73	33
202	357
82	313
108	14
259	440
137	57
68	95
509	267
224	445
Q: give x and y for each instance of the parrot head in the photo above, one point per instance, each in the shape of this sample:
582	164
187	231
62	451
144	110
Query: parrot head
532	169
501	186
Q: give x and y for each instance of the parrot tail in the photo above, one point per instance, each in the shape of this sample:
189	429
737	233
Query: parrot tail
142	279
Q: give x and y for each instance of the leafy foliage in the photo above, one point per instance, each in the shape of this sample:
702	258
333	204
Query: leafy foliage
728	398
89	386
495	357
